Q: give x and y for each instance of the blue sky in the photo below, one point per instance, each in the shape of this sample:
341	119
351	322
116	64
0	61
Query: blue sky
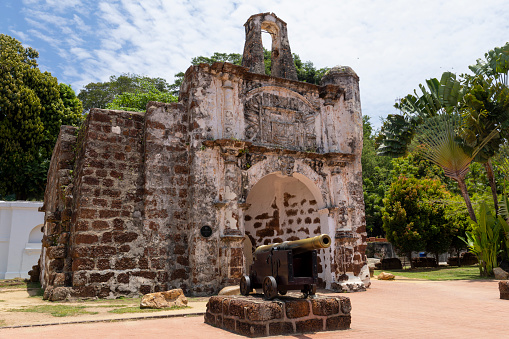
393	45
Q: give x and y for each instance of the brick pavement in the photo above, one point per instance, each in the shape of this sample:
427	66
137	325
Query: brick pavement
389	309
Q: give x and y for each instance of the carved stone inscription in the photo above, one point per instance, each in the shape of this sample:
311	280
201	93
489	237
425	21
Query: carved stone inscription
283	121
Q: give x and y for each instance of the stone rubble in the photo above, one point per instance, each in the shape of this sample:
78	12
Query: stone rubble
165	299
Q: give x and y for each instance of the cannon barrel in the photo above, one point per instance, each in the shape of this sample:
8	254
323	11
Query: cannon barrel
298	246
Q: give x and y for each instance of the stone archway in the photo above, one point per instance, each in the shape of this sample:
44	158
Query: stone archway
285	208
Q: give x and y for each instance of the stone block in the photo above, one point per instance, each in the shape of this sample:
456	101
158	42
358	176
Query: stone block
503	287
79	264
280	328
85	239
338	323
59	279
345	305
59	293
100	278
500	274
297	308
57	252
325	306
210	319
310	325
251	330
236	308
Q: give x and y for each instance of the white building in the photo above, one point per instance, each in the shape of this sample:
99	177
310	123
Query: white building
20	237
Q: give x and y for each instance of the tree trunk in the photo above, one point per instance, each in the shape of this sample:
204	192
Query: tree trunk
466	197
436	259
491	178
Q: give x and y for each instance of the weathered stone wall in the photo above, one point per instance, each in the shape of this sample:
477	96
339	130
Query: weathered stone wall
55	261
107	240
242	154
167	168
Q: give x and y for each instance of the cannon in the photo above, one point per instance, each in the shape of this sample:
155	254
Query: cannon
290	265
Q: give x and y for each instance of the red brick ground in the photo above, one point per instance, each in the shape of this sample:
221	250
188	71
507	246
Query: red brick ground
389	309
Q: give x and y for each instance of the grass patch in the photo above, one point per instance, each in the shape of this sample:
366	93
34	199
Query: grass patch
2	301
439	273
2	323
36	292
144	310
55	310
13	283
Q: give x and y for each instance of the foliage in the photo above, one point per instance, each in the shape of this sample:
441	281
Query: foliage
307	72
137	100
415	213
484	240
437	142
233	58
100	94
486	107
495	65
438	274
437	97
375	179
33	106
505	231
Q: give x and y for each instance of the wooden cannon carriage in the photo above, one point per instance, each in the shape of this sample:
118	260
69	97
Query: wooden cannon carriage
290	265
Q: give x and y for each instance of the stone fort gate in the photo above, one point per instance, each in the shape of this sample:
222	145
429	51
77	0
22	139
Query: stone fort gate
177	196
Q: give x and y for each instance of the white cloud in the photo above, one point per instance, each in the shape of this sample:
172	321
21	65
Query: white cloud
22	36
393	45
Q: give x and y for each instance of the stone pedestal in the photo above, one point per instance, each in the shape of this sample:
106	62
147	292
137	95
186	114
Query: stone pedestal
255	317
503	287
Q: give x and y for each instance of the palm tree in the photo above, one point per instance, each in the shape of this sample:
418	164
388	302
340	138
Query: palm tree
436	141
482	102
486	106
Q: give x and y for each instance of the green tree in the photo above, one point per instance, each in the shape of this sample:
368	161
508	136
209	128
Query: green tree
375	180
307	72
33	106
137	100
437	143
233	58
486	107
100	94
415	213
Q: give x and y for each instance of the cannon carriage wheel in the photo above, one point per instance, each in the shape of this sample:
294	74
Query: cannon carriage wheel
269	287
245	285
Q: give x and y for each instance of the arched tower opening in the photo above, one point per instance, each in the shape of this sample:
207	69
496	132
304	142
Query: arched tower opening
286	208
282	65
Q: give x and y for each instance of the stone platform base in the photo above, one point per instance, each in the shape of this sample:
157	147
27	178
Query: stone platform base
503	287
255	317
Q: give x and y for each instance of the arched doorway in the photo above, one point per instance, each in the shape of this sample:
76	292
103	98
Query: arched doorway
285	208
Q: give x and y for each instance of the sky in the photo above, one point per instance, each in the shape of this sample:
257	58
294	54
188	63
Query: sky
393	45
